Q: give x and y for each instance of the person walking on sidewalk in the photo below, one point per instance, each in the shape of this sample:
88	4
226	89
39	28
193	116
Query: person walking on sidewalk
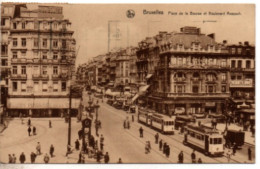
156	138
167	151
34	130
29	131
234	149
10	159
249	154
38	148
29	122
14	159
133	118
180	157
51	150
160	144
22	158
141	131
106	158
199	161
46	158
77	144
50	125
229	155
193	157
33	157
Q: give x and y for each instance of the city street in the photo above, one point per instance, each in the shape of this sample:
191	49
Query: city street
119	142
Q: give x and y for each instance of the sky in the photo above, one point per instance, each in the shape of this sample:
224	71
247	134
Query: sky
93	23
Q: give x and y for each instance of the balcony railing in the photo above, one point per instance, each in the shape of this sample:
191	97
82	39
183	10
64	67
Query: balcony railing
242	83
162	94
180	79
40	77
18	60
18	76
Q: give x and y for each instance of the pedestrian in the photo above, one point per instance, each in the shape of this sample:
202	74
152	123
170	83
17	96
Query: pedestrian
98	156
193	157
199	161
38	148
141	131
228	155
249	154
133	118
22	158
14	159
83	159
77	144
33	157
180	157
106	158
164	147
79	160
156	138
29	131
124	124
119	161
146	148
34	130
234	149
168	149
102	138
160	144
29	122
128	124
50	125
46	158
101	146
10	158
51	150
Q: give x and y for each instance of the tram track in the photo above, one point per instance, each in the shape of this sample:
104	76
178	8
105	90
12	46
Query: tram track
217	159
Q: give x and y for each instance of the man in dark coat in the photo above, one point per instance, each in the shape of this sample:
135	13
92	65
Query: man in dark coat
249	154
168	149
160	144
164	147
22	158
141	132
29	122
51	150
77	144
29	131
234	149
33	157
106	158
156	138
34	130
180	157
98	156
193	157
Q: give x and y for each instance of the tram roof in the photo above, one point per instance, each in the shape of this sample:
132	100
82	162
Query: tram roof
204	129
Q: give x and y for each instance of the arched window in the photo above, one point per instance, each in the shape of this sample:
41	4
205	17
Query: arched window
211	77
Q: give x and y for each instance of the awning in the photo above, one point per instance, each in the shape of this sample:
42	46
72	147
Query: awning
135	97
149	76
249	111
144	88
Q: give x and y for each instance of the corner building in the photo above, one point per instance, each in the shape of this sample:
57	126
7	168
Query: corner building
42	52
192	75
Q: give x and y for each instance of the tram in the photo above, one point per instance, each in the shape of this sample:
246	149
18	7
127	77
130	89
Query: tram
162	123
206	139
144	116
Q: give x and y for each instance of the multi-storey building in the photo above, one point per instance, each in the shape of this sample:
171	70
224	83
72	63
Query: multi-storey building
192	74
42	52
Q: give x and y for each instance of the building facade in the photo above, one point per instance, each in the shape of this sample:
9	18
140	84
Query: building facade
42	52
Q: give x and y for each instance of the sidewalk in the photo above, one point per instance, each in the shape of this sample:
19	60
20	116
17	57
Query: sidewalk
248	135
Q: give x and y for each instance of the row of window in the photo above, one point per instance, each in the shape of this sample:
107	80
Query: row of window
36	87
39	25
238	64
36	42
195	89
209	77
35	55
36	70
197	61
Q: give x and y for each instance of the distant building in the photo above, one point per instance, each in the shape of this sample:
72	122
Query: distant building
42	52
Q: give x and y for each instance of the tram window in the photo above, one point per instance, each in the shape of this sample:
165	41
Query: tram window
217	140
202	137
210	141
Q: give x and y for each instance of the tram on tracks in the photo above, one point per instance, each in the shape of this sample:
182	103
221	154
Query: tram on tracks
203	138
157	121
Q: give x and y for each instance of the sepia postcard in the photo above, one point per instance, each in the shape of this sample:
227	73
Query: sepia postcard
127	83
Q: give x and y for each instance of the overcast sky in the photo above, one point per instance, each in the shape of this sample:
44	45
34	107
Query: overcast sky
90	23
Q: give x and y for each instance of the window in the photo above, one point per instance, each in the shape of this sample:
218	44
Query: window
55	43
248	64
63	57
211	77
23	86
23	53
233	77
63	86
44	86
14	55
63	43
223	89
14	86
36	25
55	86
55	26
14	42
55	55
233	64
239	50
23	70
14	25
3	21
36	70
45	24
44	55
36	42
179	89
233	50
14	70
36	86
224	63
239	64
239	77
55	70
195	89
210	89
63	25
23	42
35	54
44	43
44	70
23	25
223	77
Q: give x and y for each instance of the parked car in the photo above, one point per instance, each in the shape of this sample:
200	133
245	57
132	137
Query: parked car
110	102
234	136
118	104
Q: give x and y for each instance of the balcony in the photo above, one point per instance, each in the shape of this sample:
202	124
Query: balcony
36	60
242	83
18	60
64	76
40	77
180	79
18	76
192	95
44	61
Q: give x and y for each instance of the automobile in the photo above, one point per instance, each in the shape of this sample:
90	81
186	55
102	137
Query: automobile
199	115
132	109
110	102
219	117
118	104
234	137
126	107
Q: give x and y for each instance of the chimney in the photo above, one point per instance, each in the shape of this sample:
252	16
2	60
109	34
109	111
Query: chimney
246	43
224	42
212	35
